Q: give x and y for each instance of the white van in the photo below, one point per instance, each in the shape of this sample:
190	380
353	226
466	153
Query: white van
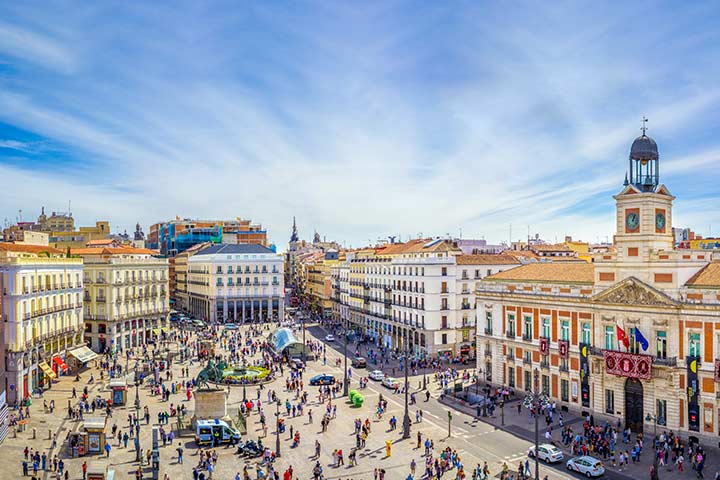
214	432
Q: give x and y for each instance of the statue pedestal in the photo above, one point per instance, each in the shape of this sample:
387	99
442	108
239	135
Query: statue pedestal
210	404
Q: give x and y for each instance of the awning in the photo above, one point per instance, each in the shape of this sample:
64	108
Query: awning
47	370
60	363
83	354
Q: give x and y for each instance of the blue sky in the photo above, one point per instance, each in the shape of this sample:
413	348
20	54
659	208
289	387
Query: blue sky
363	119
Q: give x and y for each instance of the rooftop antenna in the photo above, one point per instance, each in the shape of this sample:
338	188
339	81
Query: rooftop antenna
644	126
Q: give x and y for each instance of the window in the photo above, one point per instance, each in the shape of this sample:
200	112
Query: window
489	272
443	287
546	385
565	330
443	323
488	322
662	412
527	379
511	325
477	273
511	376
610	401
564	390
546	327
586	335
610	338
219	270
527	327
464	275
634	346
444	304
444	271
694	344
661	344
444	338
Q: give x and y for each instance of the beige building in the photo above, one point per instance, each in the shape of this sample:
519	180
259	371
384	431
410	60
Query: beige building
633	336
42	308
180	292
126	301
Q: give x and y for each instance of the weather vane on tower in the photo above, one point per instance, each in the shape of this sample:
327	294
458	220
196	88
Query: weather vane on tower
644	122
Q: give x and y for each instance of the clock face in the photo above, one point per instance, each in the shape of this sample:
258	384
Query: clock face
632	221
660	221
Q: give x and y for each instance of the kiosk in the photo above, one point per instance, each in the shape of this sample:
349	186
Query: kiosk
118	389
95	428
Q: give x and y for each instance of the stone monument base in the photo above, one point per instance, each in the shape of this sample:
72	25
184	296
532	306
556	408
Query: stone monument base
210	404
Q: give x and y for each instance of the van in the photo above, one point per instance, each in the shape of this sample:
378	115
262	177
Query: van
215	432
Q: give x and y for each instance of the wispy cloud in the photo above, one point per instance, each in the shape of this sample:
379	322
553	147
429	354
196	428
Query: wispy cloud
363	120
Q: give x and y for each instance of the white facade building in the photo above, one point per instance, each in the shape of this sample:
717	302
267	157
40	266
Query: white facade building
42	309
236	283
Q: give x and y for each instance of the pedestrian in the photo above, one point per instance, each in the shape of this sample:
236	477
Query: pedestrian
107	450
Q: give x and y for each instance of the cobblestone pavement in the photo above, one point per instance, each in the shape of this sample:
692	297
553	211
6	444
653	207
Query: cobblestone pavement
475	441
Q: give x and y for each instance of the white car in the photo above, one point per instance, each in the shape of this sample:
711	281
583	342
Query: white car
586	465
390	382
376	375
329	338
548	453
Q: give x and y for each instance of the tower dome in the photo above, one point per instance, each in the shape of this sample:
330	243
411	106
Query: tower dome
644	148
644	168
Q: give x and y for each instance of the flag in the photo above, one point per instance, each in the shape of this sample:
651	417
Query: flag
622	337
640	338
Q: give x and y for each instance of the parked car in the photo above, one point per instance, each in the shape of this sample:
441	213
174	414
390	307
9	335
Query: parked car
586	465
359	362
329	338
390	382
322	379
376	375
231	326
547	453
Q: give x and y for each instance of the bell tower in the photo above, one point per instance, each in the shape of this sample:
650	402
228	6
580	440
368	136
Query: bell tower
644	206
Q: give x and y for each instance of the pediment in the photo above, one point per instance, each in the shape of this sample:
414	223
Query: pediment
629	189
632	291
662	190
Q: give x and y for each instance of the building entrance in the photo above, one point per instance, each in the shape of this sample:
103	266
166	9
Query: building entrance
634	405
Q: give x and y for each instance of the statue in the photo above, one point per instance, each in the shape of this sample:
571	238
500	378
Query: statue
208	374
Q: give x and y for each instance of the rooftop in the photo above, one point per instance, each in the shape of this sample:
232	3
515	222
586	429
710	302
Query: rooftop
581	272
708	276
487	259
233	249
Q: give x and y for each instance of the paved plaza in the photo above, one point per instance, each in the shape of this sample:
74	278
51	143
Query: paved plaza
475	441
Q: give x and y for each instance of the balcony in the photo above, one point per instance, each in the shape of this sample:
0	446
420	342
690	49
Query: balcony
527	361
100	299
564	368
510	334
488	331
488	353
665	362
544	364
100	281
510	357
466	306
527	337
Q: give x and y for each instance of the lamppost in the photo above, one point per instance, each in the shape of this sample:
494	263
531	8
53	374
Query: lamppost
345	373
654	419
244	384
277	428
302	318
536	400
406	417
137	416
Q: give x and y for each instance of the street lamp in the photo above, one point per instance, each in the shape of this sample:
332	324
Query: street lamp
302	318
345	372
137	416
406	417
654	419
277	428
536	399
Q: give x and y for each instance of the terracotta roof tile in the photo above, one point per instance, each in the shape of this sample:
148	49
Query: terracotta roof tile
487	259
558	247
566	272
708	276
25	248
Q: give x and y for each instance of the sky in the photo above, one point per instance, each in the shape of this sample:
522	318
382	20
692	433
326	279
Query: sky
362	119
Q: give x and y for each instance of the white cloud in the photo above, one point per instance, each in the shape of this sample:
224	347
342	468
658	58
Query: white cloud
360	124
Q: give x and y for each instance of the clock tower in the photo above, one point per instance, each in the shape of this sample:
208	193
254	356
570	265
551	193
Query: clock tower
644	206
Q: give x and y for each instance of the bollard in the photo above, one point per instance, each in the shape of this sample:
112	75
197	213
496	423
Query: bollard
49	434
34	433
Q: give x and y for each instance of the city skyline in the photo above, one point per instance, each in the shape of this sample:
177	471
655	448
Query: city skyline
363	122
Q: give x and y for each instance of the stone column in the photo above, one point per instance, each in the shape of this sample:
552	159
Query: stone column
252	309
235	310
225	309
18	377
243	311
